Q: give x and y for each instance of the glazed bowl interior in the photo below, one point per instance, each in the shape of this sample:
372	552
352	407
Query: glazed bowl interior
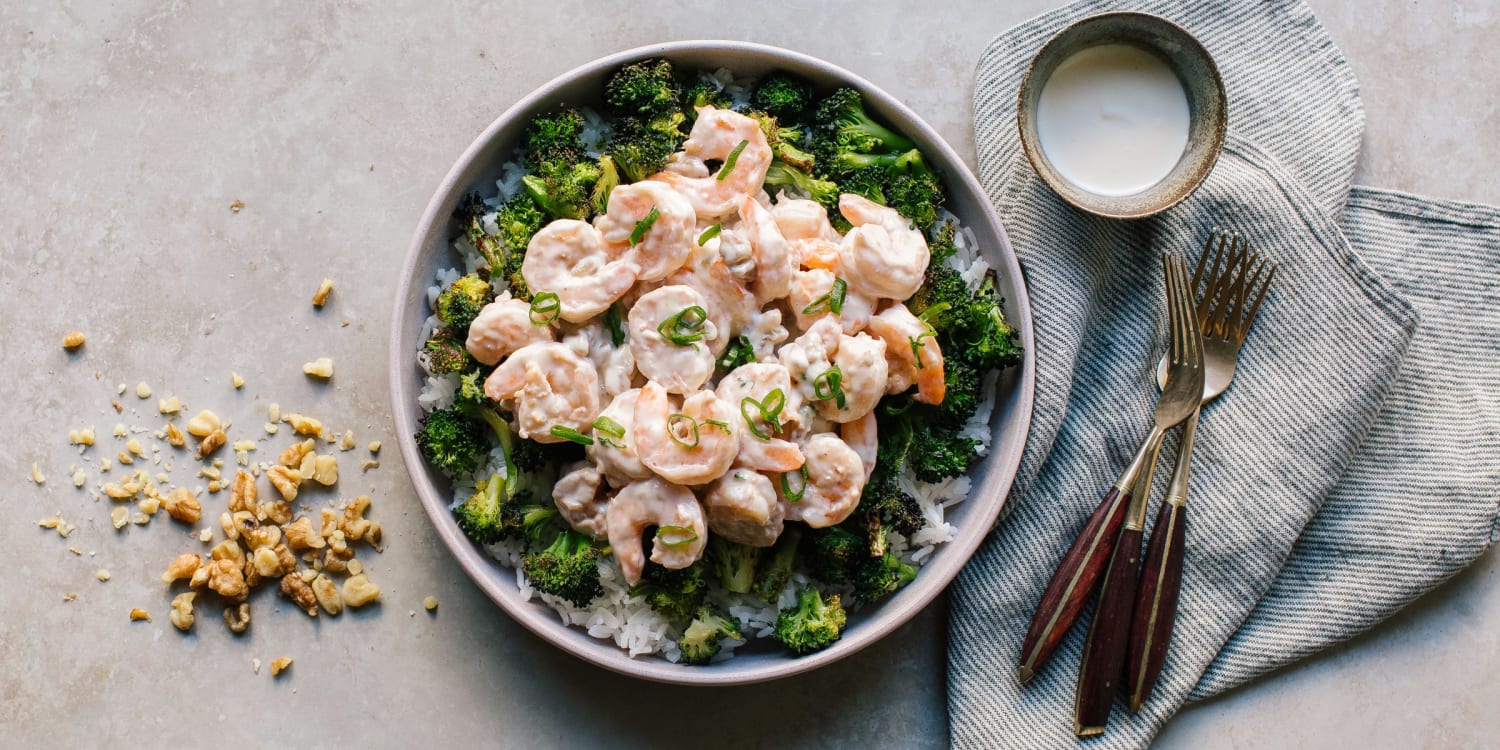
479	167
1195	70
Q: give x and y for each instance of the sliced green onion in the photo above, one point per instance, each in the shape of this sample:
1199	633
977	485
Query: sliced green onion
739	352
709	234
545	307
833	301
916	347
786	488
679	536
933	311
830	385
729	161
616	325
721	425
680	418
685	326
643	226
571	435
609	427
610	442
766	410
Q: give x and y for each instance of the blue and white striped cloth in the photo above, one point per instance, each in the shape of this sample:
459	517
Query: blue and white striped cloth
1348	470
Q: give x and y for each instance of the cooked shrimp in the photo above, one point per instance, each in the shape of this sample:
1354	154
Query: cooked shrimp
568	258
665	245
551	387
730	305
810	299
615	454
692	444
616	364
802	219
716	134
765	332
882	256
757	382
772	278
579	500
911	352
680	529
818	253
862	378
502	327
679	365
742	507
810	355
861	436
830	489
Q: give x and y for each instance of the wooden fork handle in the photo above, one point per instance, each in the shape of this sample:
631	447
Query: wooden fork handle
1072	583
1101	673
1156	606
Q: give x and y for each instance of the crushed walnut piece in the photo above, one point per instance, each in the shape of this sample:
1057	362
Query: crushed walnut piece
137	614
74	339
320	297
280	665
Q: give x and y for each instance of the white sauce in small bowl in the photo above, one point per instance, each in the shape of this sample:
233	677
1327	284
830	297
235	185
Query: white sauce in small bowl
1113	119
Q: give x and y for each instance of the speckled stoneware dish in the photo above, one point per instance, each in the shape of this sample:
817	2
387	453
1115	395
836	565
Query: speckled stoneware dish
479	167
1194	68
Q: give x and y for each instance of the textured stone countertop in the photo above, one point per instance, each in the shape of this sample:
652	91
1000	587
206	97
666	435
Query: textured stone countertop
128	128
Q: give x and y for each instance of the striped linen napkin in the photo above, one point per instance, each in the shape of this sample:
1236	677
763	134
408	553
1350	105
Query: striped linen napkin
1330	487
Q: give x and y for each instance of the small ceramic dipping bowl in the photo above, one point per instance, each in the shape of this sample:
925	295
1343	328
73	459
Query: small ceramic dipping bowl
1195	70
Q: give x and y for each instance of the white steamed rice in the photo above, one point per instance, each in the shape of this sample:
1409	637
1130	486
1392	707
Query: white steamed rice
616	615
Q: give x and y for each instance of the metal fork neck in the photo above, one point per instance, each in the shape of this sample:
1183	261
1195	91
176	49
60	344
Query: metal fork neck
1135	481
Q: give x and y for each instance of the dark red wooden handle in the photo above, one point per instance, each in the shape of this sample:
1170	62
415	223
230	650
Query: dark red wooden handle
1072	583
1156	607
1103	667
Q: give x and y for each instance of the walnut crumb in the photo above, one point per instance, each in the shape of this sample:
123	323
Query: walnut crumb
73	340
320	297
236	205
102	575
430	604
137	614
142	390
36	474
255	665
322	367
235	380
280	665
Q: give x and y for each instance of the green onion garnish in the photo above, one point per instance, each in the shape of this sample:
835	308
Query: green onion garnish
833	301
615	324
680	418
685	326
545	307
643	226
721	425
609	427
786	488
916	347
571	435
766	410
729	161
739	352
830	385
679	536
933	311
709	234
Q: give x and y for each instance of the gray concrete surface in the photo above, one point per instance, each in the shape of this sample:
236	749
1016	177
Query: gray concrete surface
127	129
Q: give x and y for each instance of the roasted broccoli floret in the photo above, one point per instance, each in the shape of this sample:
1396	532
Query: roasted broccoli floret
916	196
555	137
703	93
568	568
674	593
869	182
843	119
776	567
993	342
813	624
639	149
644	88
825	192
460	303
704	636
452	441
564	190
470	215
883	506
881	577
470	393
832	554
445	355
519	219
942	246
733	563
943	454
488	516
783	95
609	179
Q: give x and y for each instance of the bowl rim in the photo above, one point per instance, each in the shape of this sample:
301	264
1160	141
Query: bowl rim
938	573
1034	152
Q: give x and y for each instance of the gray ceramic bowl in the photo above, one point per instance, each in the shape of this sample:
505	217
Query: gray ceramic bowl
1194	67
478	168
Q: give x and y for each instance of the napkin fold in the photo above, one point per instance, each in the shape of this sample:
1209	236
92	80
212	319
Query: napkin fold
1330	487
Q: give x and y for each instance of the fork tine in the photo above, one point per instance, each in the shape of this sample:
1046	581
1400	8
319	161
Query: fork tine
1190	328
1202	305
1232	284
1180	314
1260	296
1208	245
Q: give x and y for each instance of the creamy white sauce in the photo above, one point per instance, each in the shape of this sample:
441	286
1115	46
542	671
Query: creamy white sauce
1113	119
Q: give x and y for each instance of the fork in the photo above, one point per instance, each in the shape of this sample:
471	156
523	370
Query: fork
1075	576
1104	651
1234	278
